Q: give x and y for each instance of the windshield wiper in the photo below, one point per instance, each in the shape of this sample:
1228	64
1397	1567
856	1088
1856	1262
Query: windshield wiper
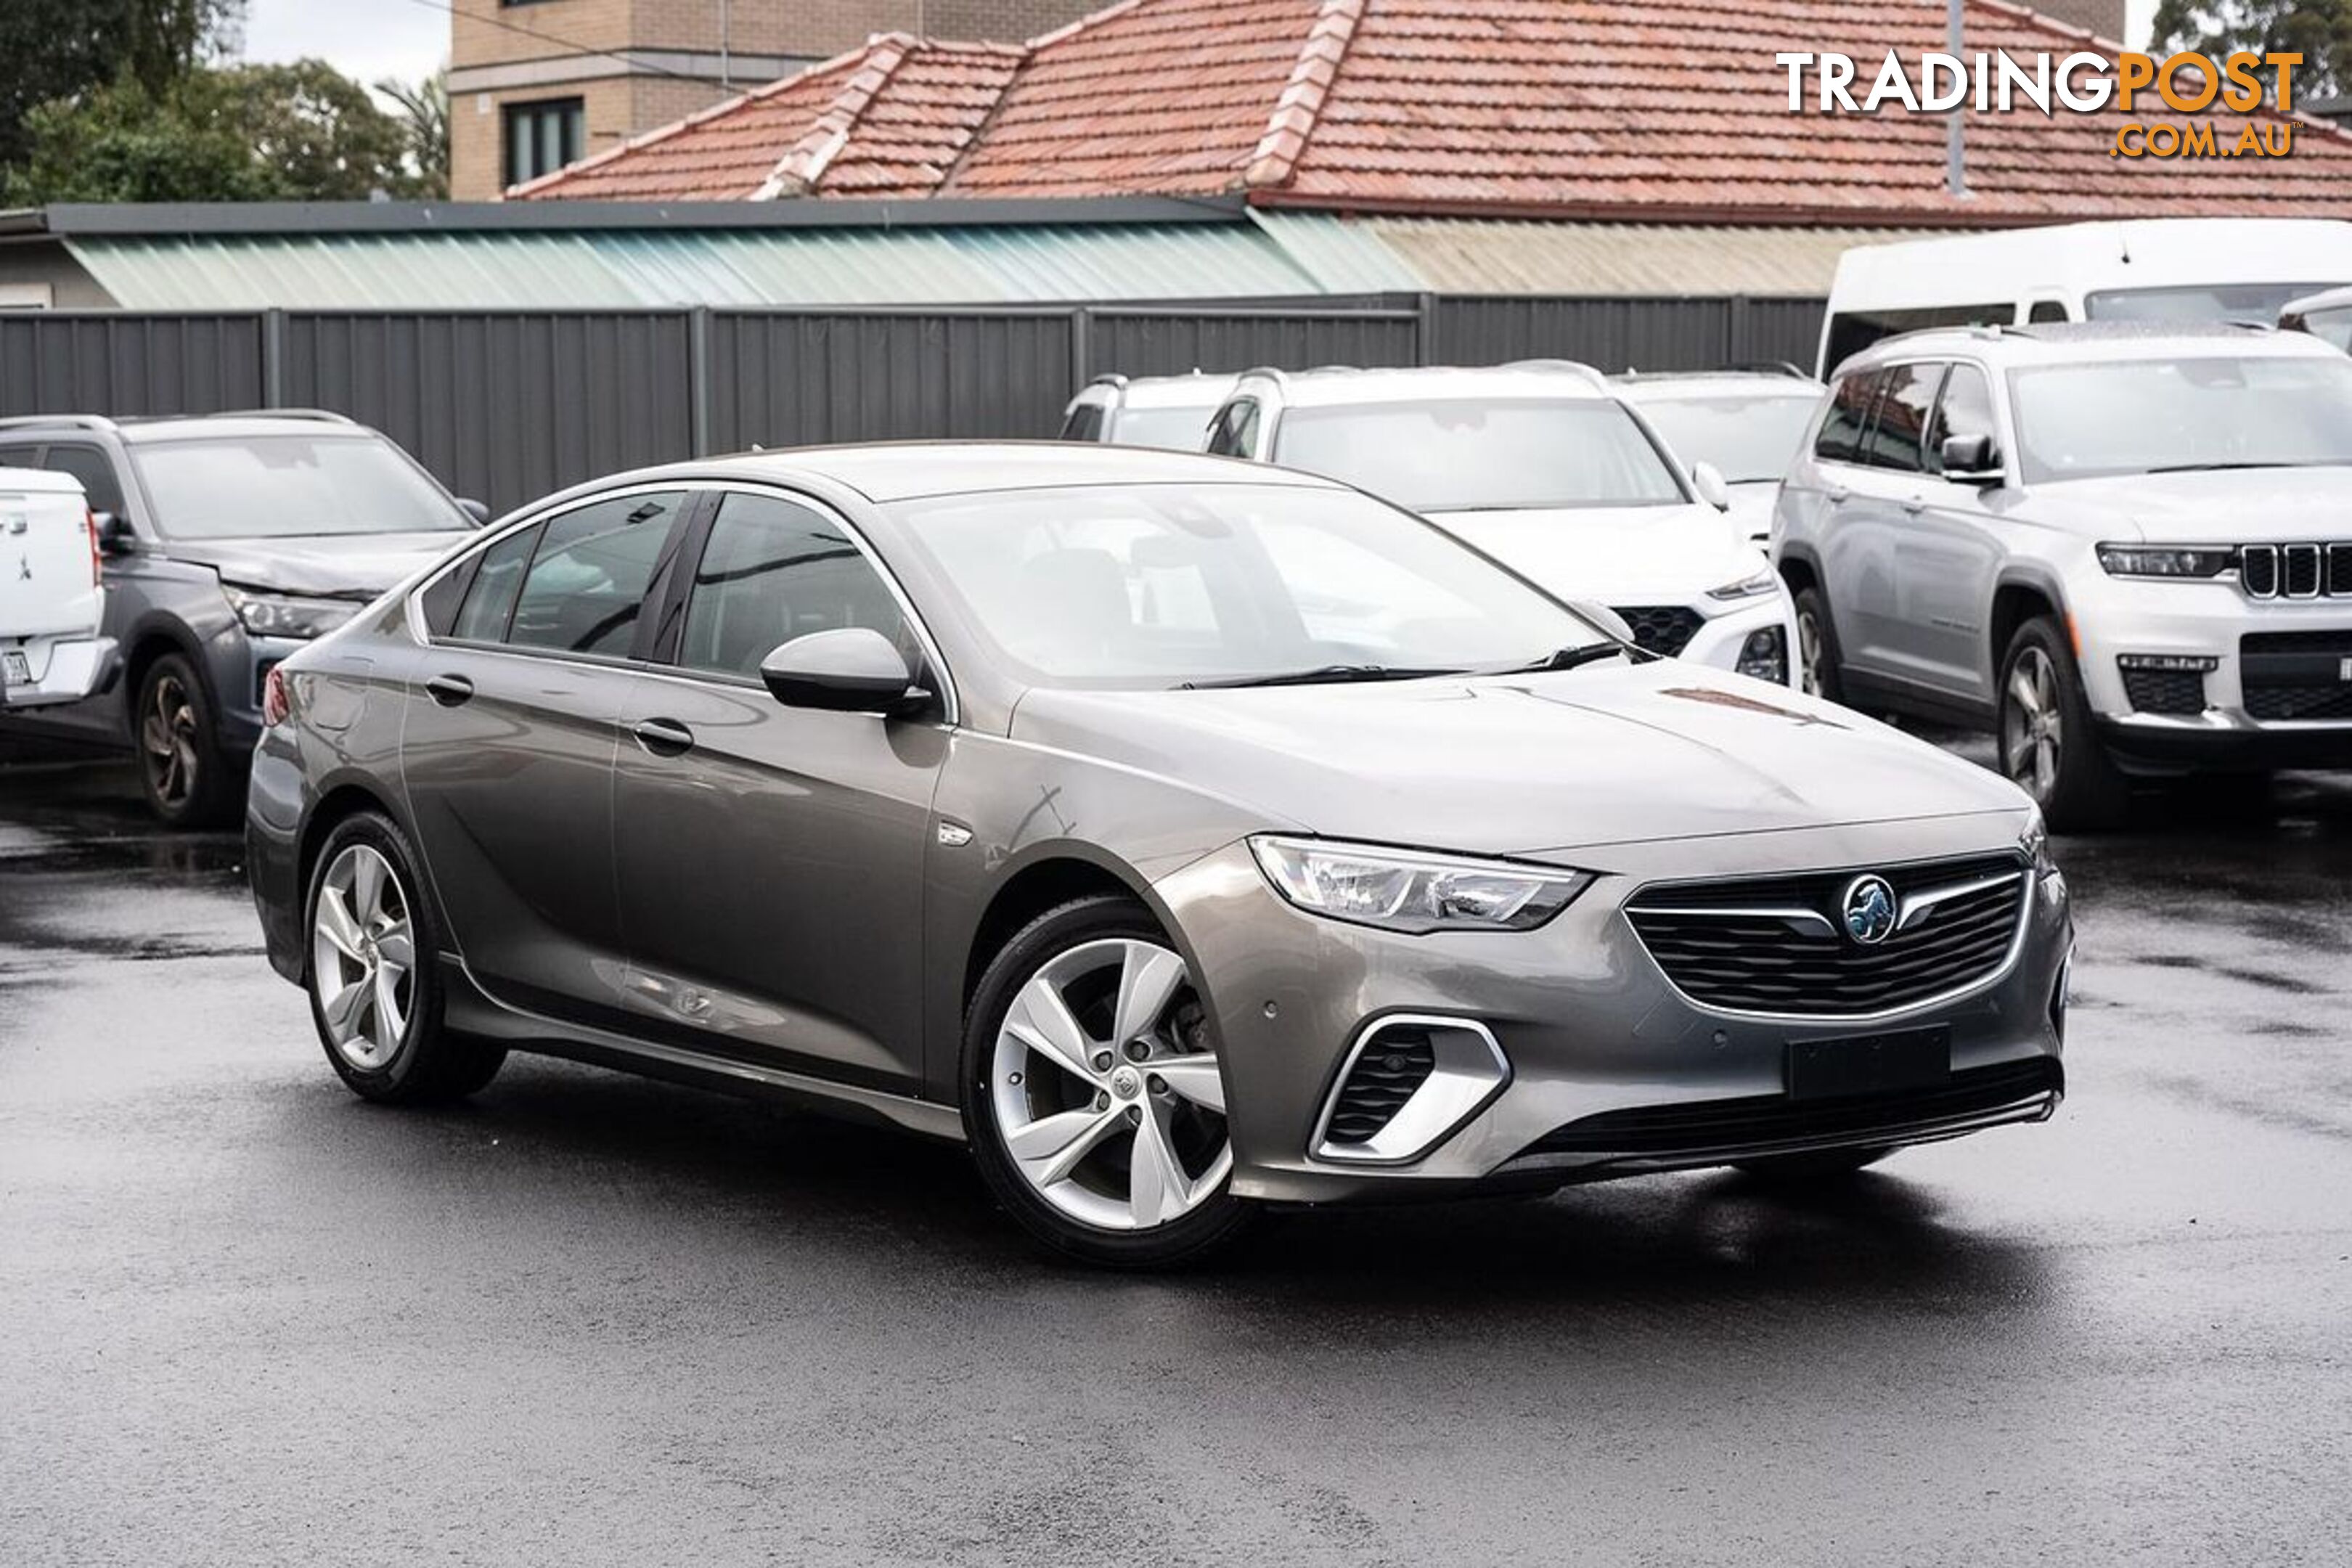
1578	657
1326	675
2219	468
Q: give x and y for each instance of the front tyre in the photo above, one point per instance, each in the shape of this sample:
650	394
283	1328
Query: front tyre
1092	1093
1817	648
188	779
375	992
2048	744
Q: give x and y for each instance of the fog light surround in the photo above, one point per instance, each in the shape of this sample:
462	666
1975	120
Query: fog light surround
1468	1071
1765	656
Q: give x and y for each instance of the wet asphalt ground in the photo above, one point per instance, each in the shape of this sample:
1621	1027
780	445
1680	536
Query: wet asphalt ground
246	1318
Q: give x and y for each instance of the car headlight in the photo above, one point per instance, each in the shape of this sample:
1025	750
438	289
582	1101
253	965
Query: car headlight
267	614
2034	843
1412	890
1763	583
2167	560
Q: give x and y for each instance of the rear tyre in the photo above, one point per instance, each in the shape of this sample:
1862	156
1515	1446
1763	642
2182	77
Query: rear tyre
375	990
1825	1167
2048	745
1817	648
1092	1092
189	781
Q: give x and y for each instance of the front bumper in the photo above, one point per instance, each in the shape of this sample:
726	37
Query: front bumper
2117	618
1587	1023
1729	624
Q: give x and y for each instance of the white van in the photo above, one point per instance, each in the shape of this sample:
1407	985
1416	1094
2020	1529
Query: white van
2152	269
50	600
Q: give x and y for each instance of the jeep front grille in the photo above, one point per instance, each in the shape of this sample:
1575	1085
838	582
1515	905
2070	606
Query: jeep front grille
1778	945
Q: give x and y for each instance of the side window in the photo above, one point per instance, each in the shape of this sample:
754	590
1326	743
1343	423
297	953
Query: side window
20	457
1903	409
1966	409
90	466
490	599
1085	422
589	578
773	571
1849	416
1234	428
2047	311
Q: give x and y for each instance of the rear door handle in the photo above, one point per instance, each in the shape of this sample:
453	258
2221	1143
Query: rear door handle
449	690
662	737
1837	497
1915	505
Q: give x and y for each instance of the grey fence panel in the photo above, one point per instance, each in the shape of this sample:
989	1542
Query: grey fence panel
806	378
119	365
504	407
1172	342
1618	335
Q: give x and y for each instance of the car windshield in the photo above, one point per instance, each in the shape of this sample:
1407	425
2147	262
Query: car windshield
1185	429
289	485
2138	416
2197	302
1749	437
1160	585
1482	454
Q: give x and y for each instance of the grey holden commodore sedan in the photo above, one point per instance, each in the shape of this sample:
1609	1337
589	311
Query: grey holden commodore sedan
1184	835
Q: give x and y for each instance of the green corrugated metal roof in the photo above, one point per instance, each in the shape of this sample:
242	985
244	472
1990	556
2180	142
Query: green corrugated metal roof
1011	264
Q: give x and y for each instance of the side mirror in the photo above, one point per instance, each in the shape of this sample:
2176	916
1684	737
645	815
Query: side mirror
1607	620
475	510
852	670
1971	460
1707	479
115	535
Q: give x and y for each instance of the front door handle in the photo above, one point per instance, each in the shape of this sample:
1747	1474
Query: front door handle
662	737
1837	497
449	690
1915	505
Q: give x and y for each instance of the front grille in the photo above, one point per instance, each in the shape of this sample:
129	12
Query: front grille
2297	570
1394	1063
1665	629
1730	1126
2296	676
1779	945
2164	690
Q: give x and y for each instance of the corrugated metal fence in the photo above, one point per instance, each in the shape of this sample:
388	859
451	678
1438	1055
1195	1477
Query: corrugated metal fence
507	405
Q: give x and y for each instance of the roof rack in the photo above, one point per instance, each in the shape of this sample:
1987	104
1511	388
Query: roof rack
1274	373
1108	378
1769	367
321	416
53	421
1567	366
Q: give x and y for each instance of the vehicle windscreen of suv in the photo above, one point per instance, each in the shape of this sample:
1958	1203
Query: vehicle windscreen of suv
1176	429
1137	587
2197	302
1482	454
2141	416
288	487
1749	439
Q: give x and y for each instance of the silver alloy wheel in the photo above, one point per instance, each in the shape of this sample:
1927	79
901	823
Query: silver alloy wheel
1119	1121
2032	730
167	740
363	957
1808	652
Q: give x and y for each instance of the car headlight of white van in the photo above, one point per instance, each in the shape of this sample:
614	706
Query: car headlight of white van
1414	891
268	614
1753	588
2190	561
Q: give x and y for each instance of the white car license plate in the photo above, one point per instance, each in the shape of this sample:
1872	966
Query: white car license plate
2344	670
20	672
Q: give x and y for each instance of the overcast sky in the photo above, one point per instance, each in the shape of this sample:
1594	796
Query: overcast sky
364	38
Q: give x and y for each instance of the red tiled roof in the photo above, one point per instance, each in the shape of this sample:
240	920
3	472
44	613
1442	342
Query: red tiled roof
1653	109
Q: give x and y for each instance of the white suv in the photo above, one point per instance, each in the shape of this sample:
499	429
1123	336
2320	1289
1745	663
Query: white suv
1544	467
2125	548
1168	411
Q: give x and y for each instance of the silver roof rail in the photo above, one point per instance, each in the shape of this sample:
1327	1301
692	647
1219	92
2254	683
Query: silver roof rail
58	421
321	416
1566	366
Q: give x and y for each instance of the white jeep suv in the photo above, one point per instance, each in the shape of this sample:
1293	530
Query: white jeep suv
2126	550
1544	467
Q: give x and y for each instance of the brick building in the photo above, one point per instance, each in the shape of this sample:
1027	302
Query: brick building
535	84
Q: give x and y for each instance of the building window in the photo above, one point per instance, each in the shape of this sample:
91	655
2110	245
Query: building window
543	137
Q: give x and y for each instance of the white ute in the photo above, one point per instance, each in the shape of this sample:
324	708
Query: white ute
50	601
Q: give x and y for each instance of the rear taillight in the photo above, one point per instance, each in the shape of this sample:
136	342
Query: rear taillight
276	705
97	556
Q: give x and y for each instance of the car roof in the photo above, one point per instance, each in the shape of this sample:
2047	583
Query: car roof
1671	386
1340	385
2072	343
904	470
148	427
1200	388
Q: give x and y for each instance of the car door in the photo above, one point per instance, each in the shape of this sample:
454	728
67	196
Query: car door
771	858
508	735
1891	640
1955	547
1857	544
